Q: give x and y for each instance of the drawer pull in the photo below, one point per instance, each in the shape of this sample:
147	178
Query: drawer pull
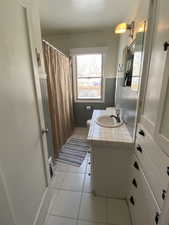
168	170
132	200
166	45
134	182
141	132
139	148
136	165
157	217
164	194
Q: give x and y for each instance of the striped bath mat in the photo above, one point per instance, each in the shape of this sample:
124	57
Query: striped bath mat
74	151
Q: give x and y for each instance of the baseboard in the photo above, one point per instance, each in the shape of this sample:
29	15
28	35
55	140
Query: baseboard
43	207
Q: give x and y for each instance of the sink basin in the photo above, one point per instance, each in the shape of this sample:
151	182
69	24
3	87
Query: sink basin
107	121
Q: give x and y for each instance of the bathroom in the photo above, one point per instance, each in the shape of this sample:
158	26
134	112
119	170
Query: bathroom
86	88
113	153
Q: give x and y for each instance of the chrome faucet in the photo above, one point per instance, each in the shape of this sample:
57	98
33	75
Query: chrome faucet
117	117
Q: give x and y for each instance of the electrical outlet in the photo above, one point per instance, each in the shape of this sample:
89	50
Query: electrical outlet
88	107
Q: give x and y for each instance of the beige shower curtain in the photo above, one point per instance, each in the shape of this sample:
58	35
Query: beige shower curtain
59	78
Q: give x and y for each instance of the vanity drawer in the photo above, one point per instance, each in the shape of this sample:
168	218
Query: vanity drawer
143	206
155	165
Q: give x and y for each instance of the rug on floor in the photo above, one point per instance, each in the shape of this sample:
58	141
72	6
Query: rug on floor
74	151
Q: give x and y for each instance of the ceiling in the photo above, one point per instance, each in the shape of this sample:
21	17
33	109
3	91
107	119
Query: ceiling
68	16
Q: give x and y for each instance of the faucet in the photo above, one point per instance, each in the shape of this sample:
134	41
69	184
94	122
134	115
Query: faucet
117	117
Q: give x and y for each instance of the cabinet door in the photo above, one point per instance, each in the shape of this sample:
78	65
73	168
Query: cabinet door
162	123
156	68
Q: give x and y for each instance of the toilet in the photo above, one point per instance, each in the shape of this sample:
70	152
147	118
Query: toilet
88	123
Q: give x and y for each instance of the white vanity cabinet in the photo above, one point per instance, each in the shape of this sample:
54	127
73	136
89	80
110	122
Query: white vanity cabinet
111	150
110	169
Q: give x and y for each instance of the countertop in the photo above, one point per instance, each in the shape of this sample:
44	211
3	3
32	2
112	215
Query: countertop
104	134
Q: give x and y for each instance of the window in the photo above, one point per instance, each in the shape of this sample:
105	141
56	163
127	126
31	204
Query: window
88	76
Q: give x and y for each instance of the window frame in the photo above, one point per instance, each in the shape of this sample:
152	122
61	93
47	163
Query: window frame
88	51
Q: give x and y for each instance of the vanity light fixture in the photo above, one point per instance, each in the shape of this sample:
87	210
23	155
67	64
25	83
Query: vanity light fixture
123	27
141	28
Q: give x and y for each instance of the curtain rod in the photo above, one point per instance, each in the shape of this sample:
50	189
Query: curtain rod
54	48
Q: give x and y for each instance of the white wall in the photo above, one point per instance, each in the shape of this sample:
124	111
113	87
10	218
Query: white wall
91	39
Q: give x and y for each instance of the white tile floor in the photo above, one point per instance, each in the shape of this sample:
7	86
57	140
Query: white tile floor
74	204
80	132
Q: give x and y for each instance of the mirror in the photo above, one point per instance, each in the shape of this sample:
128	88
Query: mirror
128	55
133	57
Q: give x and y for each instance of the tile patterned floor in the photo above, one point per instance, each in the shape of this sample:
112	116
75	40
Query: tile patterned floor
74	204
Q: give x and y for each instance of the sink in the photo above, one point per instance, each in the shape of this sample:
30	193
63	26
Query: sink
107	121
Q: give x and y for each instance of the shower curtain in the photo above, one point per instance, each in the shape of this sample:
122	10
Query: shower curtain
59	80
